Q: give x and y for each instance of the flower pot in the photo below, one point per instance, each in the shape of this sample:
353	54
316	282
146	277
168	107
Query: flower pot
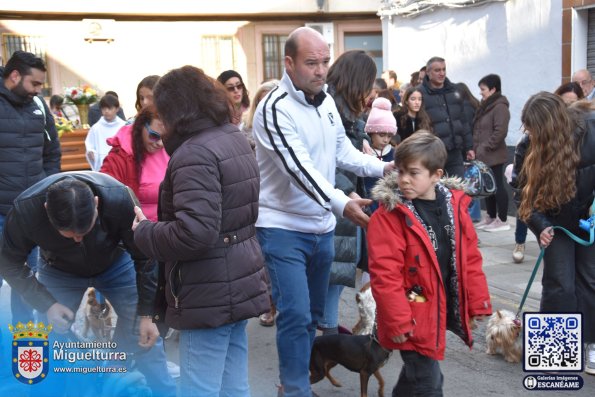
84	114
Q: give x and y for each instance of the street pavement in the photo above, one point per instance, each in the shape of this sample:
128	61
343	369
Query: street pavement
467	373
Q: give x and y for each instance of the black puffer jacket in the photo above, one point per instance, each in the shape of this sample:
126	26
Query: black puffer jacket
213	272
27	153
570	213
445	108
27	225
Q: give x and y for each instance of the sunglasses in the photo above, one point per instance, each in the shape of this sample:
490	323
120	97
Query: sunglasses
154	136
232	88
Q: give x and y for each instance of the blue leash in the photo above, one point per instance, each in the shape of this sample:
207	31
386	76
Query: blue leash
587	225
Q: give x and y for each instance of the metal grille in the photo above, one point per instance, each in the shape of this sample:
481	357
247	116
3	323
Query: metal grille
591	42
273	48
218	54
33	44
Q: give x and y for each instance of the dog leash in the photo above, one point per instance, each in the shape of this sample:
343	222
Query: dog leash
587	225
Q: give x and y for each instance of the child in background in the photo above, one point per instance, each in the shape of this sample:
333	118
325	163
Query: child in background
381	127
107	126
425	267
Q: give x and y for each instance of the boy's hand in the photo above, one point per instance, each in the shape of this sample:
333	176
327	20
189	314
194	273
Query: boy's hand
474	319
402	338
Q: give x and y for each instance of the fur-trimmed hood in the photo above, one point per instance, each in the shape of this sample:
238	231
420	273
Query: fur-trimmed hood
387	190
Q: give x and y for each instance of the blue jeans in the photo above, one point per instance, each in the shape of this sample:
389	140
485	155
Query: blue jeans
299	266
118	285
475	210
520	231
331	307
214	361
21	310
420	376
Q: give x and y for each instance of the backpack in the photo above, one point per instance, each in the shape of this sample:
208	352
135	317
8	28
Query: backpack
39	104
479	179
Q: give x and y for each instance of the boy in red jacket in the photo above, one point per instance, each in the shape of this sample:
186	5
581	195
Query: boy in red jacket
425	266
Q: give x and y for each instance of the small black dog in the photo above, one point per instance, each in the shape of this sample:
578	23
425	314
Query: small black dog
357	353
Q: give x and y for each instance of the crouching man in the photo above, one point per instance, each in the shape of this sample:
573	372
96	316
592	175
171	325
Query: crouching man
82	223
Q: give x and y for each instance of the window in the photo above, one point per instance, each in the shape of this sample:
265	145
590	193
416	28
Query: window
273	48
369	42
218	54
33	44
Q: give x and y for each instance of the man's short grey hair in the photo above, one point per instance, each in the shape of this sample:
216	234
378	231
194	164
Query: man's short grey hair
432	60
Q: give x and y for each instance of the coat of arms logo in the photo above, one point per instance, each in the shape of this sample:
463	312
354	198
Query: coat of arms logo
30	352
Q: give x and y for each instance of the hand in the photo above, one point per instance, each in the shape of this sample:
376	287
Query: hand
367	149
354	195
474	319
389	167
148	332
546	236
470	155
402	338
353	211
60	317
138	218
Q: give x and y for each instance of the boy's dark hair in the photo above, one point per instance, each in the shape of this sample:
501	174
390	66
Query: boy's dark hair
491	81
380	83
109	101
423	146
23	62
70	205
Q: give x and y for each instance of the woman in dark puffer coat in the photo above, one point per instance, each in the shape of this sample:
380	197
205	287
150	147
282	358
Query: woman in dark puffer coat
212	279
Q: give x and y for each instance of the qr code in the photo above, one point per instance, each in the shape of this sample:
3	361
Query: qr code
553	342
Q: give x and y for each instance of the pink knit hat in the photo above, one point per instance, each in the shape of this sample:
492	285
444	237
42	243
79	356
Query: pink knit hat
381	118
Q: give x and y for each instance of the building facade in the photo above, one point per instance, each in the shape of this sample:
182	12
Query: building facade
112	45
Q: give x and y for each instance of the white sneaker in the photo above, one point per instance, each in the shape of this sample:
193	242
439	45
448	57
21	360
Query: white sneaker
497	226
484	222
590	361
518	254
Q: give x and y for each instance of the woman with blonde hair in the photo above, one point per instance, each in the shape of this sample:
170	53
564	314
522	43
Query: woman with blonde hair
557	183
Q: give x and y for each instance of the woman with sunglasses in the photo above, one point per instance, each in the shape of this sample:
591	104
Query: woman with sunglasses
237	94
138	160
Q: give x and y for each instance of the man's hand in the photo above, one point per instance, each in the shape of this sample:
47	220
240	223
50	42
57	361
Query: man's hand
60	317
389	167
138	218
148	332
353	211
470	155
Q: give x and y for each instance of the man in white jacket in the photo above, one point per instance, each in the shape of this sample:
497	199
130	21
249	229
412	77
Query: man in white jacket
300	141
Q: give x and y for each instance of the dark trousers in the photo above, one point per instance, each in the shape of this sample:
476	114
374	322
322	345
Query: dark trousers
454	163
420	376
569	281
499	201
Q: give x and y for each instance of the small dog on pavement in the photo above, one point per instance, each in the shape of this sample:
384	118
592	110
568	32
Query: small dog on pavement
357	353
502	336
98	317
366	306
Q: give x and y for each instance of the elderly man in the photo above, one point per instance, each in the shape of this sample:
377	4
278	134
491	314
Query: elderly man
82	223
300	141
444	104
583	77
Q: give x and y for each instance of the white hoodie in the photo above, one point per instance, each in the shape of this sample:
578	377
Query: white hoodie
298	147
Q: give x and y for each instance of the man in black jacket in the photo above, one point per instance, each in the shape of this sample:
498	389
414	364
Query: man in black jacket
444	104
82	223
29	145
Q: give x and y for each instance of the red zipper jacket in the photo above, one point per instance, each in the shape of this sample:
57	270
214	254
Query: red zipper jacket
401	255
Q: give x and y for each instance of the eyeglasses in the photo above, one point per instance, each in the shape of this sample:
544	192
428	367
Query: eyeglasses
584	82
154	136
232	88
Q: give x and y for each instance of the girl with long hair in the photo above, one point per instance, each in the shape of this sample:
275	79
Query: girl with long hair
557	182
412	116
